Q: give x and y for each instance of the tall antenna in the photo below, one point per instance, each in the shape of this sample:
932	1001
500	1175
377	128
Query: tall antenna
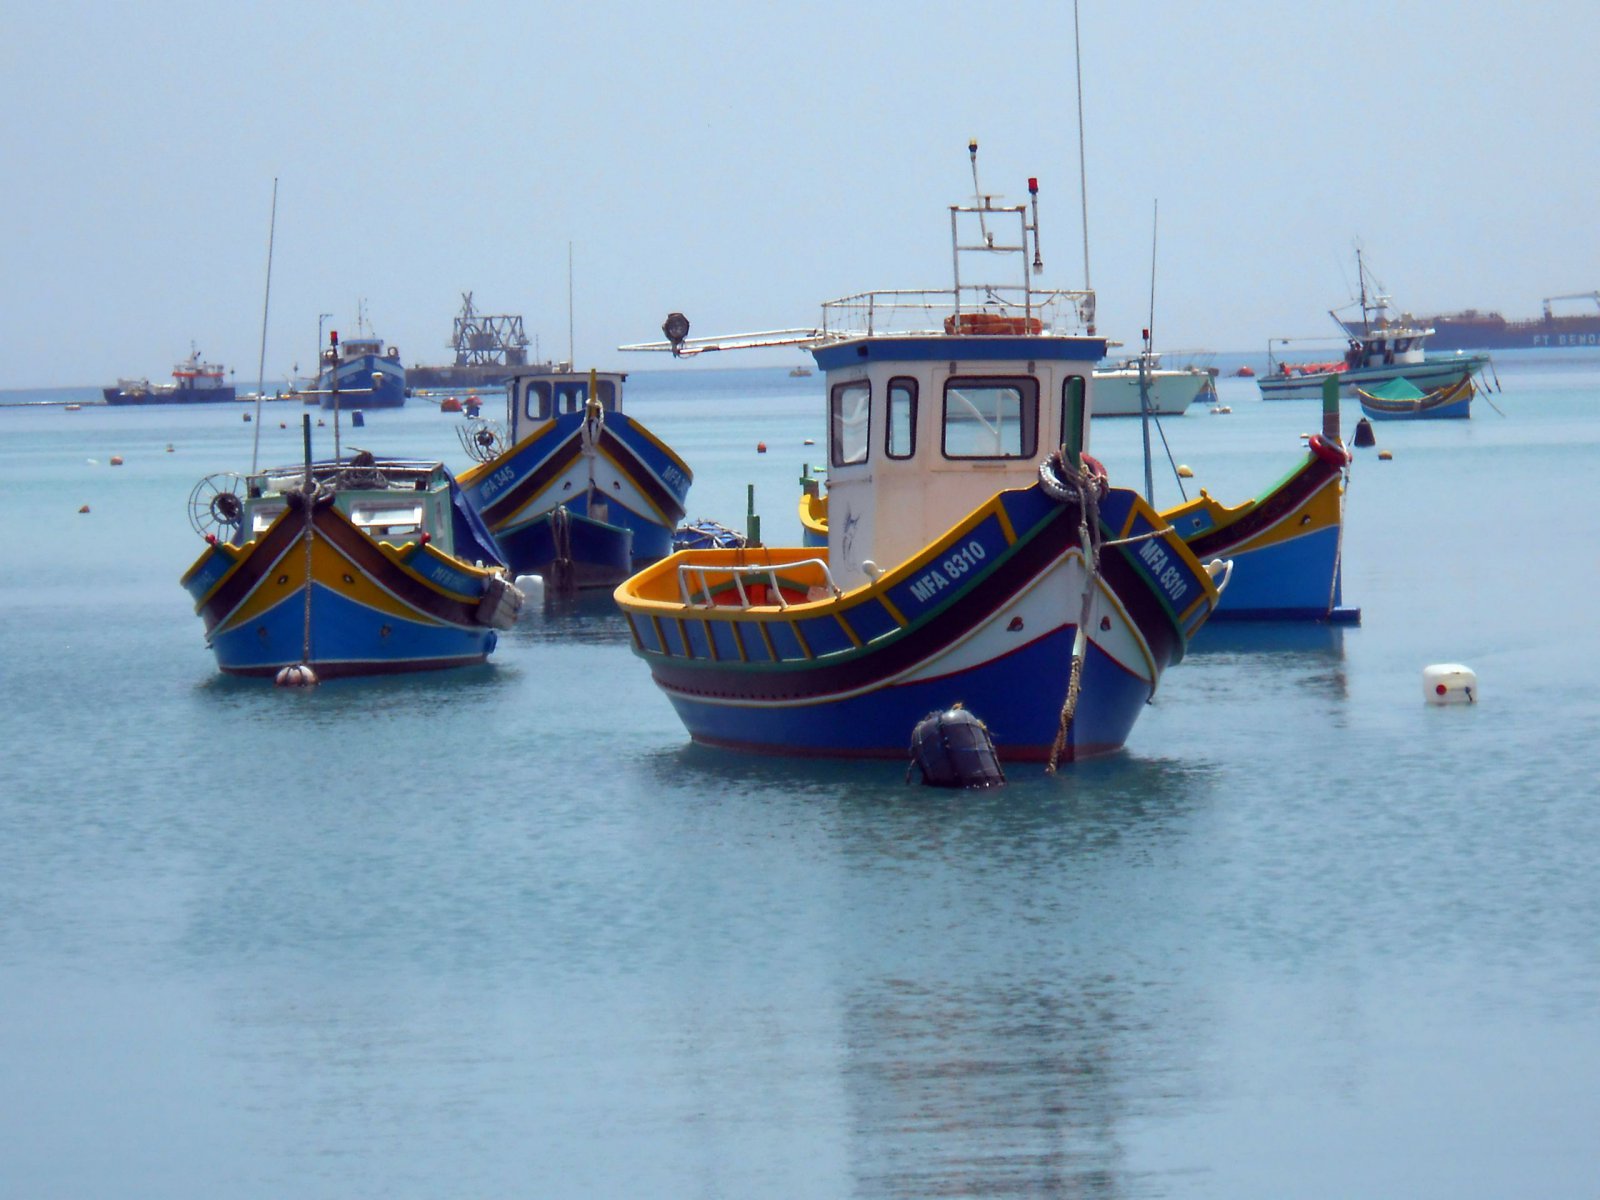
977	193
261	363
1083	177
571	357
1146	362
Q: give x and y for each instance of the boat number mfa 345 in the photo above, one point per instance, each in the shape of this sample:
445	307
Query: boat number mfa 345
493	484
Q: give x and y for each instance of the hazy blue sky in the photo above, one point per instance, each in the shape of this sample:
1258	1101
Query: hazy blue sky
743	162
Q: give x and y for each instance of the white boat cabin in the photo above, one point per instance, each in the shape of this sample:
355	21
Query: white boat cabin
922	430
536	397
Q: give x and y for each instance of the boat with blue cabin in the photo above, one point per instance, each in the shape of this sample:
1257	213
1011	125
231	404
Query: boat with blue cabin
363	371
359	566
193	382
574	488
959	568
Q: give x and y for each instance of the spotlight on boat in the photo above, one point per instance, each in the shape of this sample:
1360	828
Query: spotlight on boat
676	327
953	749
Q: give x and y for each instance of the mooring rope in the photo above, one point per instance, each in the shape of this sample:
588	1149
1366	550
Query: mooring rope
1085	488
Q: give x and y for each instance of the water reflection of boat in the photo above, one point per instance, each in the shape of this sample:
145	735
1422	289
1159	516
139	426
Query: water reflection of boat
958	568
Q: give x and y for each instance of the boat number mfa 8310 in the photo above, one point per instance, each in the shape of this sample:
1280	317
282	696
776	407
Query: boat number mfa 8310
1169	577
961	560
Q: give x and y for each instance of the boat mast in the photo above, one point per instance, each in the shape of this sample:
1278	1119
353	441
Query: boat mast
1083	177
1144	363
266	303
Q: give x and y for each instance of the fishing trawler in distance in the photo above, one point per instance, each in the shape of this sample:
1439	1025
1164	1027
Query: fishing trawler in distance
1474	330
489	349
193	382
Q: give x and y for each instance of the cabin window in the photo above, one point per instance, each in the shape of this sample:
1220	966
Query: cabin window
849	423
538	402
553	398
1073	393
991	417
900	438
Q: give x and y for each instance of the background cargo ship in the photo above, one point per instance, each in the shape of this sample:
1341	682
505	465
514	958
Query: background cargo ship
1474	330
488	349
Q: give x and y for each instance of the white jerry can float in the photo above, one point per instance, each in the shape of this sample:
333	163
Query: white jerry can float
1449	683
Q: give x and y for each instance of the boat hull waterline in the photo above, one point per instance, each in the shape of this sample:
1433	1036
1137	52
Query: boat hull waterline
375	608
986	617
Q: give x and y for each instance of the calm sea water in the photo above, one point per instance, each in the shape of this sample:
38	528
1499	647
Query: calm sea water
504	932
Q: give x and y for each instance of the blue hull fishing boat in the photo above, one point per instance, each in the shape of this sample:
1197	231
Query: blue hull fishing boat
573	488
363	567
958	568
1400	400
361	373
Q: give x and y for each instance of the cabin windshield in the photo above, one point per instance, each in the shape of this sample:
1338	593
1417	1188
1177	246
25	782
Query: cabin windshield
991	417
548	398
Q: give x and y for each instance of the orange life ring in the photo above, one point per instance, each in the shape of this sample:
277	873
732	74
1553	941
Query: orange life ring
1331	453
990	323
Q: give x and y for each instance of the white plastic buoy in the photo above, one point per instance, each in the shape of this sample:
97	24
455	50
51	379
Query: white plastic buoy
1184	472
531	587
298	676
1449	683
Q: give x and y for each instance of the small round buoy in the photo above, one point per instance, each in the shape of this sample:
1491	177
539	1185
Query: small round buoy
1385	455
246	417
809	442
1449	683
1184	472
169	447
761	447
1363	435
83	508
321	424
1305	437
116	460
953	749
298	676
283	425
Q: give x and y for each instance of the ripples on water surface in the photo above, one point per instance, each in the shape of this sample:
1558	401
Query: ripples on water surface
503	932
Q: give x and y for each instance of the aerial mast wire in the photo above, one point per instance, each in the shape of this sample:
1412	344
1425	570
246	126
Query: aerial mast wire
266	304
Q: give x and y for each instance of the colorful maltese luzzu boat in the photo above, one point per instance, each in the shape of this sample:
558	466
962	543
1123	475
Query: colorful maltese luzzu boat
573	488
362	567
1286	544
958	569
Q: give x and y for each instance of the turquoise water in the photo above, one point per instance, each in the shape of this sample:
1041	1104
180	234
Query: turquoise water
503	932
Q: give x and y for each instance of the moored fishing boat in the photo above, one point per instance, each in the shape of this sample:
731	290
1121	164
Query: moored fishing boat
362	372
1401	400
193	382
1171	390
958	567
361	567
574	488
1381	351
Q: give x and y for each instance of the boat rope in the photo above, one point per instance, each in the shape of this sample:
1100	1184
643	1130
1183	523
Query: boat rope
311	492
1084	488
